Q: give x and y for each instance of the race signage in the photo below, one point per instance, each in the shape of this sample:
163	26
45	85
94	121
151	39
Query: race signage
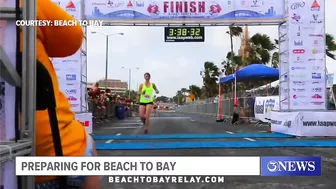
184	34
306	55
263	106
174	11
69	69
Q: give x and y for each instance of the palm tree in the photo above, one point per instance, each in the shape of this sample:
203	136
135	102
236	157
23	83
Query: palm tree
330	46
234	31
210	78
178	97
261	47
184	90
232	60
195	90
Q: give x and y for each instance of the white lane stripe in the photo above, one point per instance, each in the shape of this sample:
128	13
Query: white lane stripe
229	132
121	127
109	141
250	139
128	123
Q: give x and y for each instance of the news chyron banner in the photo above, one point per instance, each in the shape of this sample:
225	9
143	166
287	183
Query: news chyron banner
307	63
69	69
194	11
166	169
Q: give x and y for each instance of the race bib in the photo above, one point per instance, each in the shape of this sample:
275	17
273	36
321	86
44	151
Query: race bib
148	97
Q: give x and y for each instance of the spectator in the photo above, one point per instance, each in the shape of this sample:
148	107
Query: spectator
95	91
250	103
331	104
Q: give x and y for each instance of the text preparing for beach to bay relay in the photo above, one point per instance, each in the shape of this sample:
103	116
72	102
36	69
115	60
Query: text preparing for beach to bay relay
119	171
58	23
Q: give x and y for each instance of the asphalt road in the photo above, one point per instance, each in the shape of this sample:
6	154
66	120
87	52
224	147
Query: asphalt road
168	122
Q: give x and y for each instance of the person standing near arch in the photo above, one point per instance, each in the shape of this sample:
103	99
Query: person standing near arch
146	99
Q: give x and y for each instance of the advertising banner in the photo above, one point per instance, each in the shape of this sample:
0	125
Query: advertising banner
72	7
174	11
86	120
307	65
73	93
69	69
264	105
317	124
285	122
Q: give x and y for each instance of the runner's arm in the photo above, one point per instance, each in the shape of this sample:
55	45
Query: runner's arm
140	90
156	90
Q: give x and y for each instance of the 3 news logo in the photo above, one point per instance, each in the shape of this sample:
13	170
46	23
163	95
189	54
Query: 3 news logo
291	166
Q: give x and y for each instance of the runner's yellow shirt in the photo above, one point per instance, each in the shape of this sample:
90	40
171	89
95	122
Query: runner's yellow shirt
147	95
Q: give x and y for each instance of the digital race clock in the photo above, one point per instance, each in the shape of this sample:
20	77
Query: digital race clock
184	34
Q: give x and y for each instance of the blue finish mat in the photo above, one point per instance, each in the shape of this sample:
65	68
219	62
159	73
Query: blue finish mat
215	144
191	136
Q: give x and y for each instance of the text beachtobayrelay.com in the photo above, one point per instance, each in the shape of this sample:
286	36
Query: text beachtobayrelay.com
166	179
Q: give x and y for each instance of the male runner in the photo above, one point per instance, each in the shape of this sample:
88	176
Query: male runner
146	99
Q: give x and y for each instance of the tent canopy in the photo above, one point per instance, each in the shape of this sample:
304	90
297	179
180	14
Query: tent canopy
252	72
226	79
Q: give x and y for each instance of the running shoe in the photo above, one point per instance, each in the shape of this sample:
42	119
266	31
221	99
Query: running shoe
146	131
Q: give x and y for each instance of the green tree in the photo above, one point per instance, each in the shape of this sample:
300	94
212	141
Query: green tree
195	90
275	60
261	46
133	94
234	31
163	99
330	46
232	60
184	91
210	79
178	98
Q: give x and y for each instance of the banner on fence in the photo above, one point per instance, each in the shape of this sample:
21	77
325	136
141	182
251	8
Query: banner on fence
285	122
317	124
174	11
86	120
264	105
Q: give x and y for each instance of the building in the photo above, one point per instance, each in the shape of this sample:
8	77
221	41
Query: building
115	85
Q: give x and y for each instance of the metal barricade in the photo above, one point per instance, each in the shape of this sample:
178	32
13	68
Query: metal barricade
105	112
210	107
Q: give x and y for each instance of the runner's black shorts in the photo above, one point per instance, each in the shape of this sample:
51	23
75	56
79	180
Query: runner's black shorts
145	104
155	107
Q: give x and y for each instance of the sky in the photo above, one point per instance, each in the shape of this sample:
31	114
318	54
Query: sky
172	65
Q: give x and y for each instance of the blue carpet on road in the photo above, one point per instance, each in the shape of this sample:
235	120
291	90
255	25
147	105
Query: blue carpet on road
215	144
191	136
